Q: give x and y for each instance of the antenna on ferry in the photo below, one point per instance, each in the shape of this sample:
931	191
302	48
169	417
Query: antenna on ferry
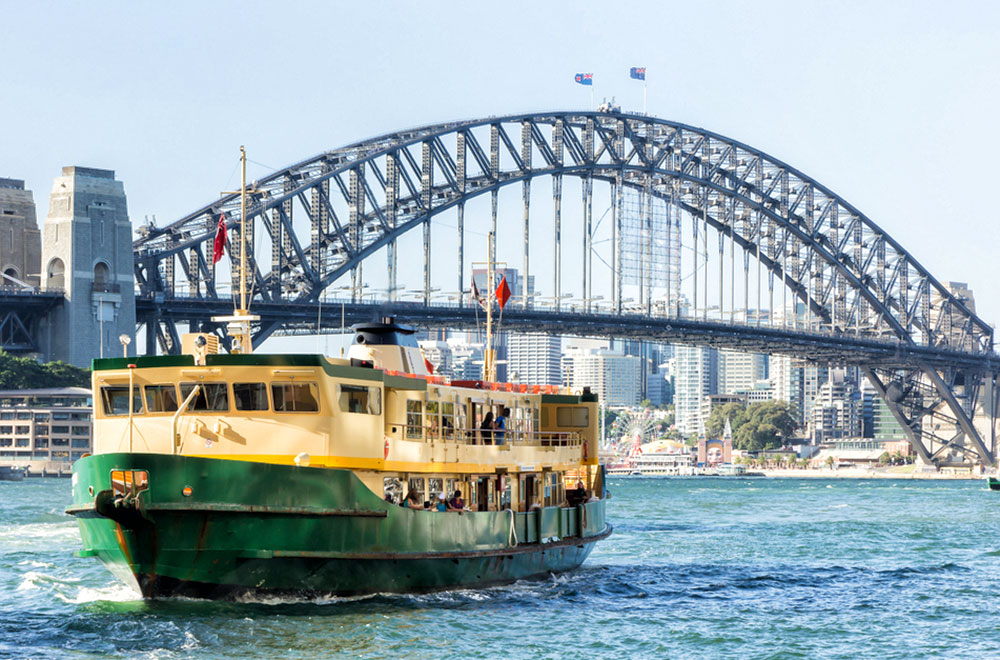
238	325
489	360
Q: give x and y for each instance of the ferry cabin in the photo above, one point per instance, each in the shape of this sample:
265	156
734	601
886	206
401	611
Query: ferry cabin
397	432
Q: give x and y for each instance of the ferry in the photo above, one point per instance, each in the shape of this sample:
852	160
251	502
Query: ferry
220	475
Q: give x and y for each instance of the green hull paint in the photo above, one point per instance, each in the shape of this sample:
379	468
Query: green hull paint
257	527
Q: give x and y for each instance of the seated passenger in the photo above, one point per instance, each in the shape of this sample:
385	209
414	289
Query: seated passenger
441	504
577	496
456	503
413	501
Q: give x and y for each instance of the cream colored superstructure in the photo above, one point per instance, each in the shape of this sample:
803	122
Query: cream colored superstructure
376	423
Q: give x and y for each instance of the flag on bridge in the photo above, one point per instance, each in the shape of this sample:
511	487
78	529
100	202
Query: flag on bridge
585	78
503	292
220	240
637	73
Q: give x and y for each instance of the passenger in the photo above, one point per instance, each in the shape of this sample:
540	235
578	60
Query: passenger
441	504
500	424
486	428
412	501
456	503
577	496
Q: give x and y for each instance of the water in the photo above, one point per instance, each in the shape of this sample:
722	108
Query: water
697	568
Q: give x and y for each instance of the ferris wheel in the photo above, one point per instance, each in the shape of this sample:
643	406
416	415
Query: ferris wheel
631	430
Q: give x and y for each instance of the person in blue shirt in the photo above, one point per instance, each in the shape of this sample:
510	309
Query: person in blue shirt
500	426
441	504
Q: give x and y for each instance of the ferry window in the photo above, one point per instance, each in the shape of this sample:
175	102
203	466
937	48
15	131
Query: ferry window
448	421
393	489
414	418
416	485
571	416
295	397
433	427
115	400
250	396
161	398
211	397
434	486
361	399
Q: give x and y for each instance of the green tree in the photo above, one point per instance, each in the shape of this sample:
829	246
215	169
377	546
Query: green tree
767	425
736	413
25	373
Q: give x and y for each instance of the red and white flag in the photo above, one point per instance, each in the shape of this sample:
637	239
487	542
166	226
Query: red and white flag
220	240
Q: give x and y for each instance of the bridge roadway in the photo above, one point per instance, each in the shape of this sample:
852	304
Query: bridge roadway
814	346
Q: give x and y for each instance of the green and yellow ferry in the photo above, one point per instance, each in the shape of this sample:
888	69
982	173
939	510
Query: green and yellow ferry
242	473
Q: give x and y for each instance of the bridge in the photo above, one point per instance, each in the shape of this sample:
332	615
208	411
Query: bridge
698	238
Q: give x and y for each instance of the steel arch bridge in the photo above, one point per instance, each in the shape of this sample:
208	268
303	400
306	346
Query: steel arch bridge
856	295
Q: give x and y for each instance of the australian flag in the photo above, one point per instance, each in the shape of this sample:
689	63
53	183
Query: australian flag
585	78
637	73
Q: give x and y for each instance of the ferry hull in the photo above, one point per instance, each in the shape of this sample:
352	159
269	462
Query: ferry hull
277	529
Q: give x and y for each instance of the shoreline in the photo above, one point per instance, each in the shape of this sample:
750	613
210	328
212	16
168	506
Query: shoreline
863	473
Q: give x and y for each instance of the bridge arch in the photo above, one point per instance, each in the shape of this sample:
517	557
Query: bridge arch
850	276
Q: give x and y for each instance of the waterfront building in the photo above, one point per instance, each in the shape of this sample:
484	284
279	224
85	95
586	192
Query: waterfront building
534	358
616	378
884	424
20	240
836	410
696	377
45	430
762	390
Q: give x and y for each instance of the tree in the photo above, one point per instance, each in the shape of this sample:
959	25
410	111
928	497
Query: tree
885	459
716	424
829	462
767	425
25	373
645	403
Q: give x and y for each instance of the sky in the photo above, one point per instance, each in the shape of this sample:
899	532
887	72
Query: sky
892	105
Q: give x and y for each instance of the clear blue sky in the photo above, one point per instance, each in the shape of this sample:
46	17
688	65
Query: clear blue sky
893	105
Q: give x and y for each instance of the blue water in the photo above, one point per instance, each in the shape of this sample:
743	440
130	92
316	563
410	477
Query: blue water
697	568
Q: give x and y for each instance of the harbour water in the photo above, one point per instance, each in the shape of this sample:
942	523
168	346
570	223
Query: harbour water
696	568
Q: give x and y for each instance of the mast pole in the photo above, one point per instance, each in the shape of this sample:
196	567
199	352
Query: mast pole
490	367
243	233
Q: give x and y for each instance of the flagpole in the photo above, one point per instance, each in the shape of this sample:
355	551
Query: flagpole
644	94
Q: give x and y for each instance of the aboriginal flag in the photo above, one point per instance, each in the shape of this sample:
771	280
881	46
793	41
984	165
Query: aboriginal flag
585	78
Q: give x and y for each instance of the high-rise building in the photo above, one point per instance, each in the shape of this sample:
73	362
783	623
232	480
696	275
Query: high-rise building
836	411
20	242
739	371
534	359
87	252
696	377
616	378
466	360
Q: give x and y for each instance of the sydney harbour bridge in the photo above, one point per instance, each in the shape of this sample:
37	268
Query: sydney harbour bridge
631	226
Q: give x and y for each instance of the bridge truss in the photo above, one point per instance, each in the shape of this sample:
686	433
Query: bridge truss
841	283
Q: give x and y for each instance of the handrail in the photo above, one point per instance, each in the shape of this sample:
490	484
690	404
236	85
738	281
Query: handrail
173	421
473	436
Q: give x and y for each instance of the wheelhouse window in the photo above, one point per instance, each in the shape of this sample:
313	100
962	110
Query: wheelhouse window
295	397
211	397
448	420
250	396
414	418
161	398
115	400
572	417
360	399
393	488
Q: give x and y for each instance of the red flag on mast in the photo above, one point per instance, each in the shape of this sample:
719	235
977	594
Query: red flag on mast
503	292
220	240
